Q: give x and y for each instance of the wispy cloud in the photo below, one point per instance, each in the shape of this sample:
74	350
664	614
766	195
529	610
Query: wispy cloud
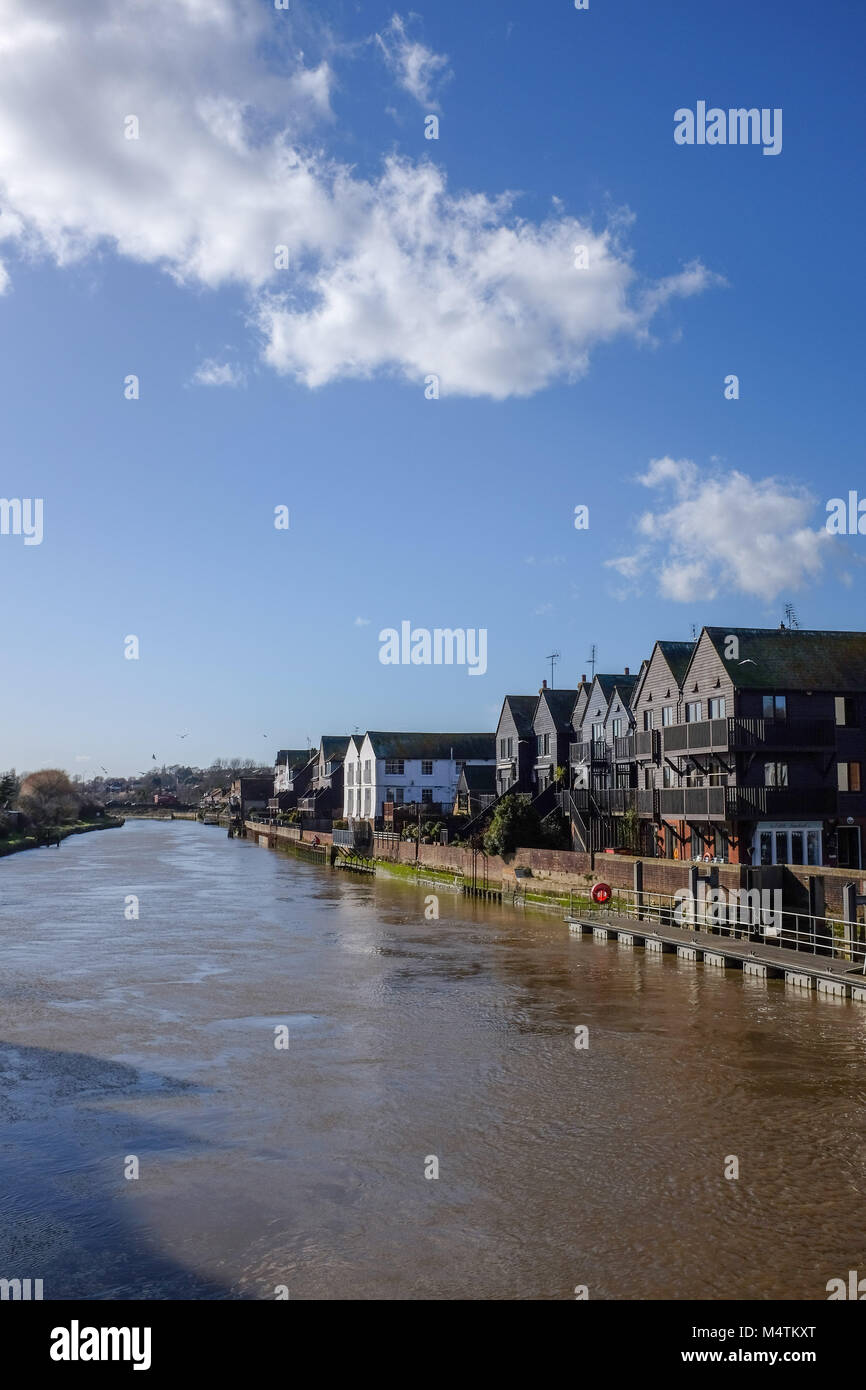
416	67
362	622
213	373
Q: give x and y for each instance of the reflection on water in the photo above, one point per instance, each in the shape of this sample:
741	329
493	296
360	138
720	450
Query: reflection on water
305	1166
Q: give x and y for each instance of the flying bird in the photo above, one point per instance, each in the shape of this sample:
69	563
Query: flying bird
183	735
153	756
747	661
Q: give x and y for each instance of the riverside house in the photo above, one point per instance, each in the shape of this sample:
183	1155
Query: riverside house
400	768
515	744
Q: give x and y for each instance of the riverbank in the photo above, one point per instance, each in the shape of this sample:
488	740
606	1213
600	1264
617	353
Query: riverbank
15	843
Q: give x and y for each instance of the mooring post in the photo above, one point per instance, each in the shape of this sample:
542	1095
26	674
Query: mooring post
638	888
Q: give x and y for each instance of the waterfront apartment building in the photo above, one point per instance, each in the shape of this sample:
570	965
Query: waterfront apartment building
396	768
748	746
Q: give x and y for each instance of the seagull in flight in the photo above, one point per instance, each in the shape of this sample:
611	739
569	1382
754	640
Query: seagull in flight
747	661
186	735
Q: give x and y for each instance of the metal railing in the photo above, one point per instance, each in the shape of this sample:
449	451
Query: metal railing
708	734
736	914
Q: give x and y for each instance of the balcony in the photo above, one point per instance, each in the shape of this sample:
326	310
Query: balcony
591	751
746	803
721	735
623	749
646	745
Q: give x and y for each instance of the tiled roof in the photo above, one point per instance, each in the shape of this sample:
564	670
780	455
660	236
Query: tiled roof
791	659
334	746
561	704
677	655
410	745
479	779
292	757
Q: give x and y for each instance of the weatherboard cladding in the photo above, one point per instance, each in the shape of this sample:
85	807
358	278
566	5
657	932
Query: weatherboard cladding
480	747
662	680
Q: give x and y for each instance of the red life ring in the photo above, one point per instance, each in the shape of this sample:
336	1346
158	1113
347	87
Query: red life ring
600	893
708	859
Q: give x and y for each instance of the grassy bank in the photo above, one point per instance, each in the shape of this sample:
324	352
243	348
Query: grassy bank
13	843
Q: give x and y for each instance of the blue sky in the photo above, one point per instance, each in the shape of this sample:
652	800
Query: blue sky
154	257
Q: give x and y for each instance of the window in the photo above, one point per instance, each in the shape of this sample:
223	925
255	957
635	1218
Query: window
667	715
717	708
647	720
617	728
775	774
775	707
389	793
366	802
350	802
543	745
367	777
597	732
351	775
510	749
669	778
502	742
813	846
648	779
426	767
426	795
693	712
393	767
846	711
849	777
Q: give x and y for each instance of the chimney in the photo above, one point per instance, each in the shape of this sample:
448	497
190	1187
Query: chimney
583	679
626	670
543	687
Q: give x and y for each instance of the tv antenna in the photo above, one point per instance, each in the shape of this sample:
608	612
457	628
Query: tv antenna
592	658
552	658
791	619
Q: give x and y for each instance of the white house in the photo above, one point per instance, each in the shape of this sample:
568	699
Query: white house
400	768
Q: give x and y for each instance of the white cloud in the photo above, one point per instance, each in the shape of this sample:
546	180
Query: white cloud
362	622
213	373
724	533
393	273
415	66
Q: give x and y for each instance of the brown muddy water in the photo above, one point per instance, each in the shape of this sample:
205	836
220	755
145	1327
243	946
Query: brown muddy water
408	1038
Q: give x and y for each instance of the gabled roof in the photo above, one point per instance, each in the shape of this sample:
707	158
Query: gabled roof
677	655
522	709
410	745
334	747
292	757
791	659
561	704
481	778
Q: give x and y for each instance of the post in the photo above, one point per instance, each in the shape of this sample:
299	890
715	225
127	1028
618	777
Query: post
638	888
849	913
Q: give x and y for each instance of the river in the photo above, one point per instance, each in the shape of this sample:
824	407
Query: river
302	1168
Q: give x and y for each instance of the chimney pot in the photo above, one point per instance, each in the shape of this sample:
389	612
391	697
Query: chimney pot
583	679
626	670
543	687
